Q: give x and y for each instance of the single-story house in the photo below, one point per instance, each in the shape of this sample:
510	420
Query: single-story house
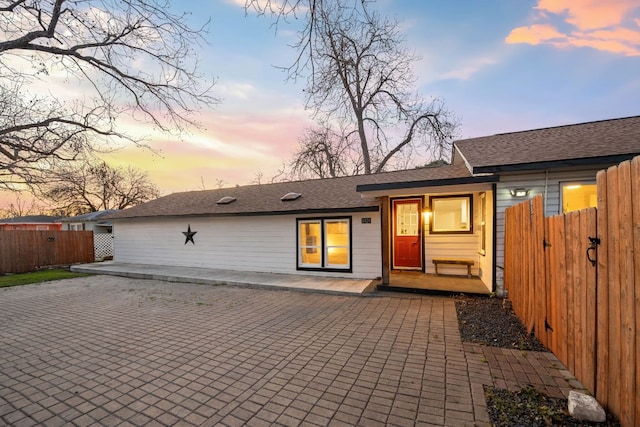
102	230
31	222
441	220
92	221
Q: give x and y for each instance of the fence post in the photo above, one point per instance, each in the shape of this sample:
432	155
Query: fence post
627	297
635	198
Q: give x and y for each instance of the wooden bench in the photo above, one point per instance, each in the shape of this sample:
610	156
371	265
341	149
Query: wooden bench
455	261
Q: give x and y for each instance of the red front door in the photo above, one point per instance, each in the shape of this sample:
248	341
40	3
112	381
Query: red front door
407	231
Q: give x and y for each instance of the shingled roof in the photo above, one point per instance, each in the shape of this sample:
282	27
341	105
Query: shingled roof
318	195
91	216
600	142
31	219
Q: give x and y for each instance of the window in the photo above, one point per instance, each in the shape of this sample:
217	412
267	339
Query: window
324	244
451	214
578	195
407	219
483	223
75	226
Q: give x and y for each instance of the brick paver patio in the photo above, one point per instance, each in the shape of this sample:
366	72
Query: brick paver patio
112	351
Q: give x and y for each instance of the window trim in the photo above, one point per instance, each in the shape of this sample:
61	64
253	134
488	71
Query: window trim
469	198
323	246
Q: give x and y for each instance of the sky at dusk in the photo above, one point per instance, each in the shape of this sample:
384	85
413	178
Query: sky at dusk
499	65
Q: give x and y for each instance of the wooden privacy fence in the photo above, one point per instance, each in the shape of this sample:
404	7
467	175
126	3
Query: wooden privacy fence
574	279
24	250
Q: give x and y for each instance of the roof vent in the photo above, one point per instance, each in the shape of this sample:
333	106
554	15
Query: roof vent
226	200
290	196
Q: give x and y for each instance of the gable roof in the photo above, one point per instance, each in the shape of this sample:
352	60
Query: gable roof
599	142
317	196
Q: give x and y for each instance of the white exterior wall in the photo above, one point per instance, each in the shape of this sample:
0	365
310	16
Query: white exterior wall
243	243
87	226
539	182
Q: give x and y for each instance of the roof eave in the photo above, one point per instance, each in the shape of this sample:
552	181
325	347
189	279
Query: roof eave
363	188
585	161
371	208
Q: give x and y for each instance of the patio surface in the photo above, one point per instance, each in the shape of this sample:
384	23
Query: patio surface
212	276
115	351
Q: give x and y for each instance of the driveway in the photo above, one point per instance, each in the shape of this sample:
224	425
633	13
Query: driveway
113	351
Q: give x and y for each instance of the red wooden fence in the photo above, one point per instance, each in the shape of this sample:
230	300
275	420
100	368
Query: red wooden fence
25	250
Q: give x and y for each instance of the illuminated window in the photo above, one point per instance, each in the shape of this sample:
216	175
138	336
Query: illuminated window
451	214
483	223
324	244
578	195
407	219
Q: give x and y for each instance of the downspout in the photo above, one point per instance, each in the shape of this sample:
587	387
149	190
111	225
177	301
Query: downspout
546	185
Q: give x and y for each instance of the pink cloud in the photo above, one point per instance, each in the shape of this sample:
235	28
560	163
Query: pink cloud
606	26
589	14
535	34
232	147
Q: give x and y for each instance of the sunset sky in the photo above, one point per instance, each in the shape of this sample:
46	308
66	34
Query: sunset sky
499	65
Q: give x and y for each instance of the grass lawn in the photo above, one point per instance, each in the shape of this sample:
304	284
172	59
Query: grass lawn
38	277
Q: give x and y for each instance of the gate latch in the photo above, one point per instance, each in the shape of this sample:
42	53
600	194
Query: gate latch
593	243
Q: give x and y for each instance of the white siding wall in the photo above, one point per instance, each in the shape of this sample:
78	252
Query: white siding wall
256	243
547	184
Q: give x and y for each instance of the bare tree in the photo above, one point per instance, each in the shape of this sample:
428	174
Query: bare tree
21	207
360	76
72	69
91	187
323	153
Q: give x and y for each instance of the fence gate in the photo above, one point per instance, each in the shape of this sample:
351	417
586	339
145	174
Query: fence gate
574	279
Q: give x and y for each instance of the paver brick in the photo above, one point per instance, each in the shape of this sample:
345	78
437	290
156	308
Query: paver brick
132	352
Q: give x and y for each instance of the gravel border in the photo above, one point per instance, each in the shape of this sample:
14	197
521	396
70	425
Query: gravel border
490	321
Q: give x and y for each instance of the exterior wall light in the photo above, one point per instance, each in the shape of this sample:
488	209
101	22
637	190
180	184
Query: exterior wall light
426	215
519	192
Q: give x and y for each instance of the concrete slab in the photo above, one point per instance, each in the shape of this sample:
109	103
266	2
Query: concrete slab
229	277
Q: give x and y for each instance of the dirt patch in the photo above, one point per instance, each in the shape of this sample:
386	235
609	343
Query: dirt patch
529	407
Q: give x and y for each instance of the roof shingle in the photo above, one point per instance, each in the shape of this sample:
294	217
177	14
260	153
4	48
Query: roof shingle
570	144
318	195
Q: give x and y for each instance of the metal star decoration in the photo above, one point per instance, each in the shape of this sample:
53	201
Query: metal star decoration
189	235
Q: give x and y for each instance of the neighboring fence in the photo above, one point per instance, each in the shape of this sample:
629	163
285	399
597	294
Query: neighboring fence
24	250
574	279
